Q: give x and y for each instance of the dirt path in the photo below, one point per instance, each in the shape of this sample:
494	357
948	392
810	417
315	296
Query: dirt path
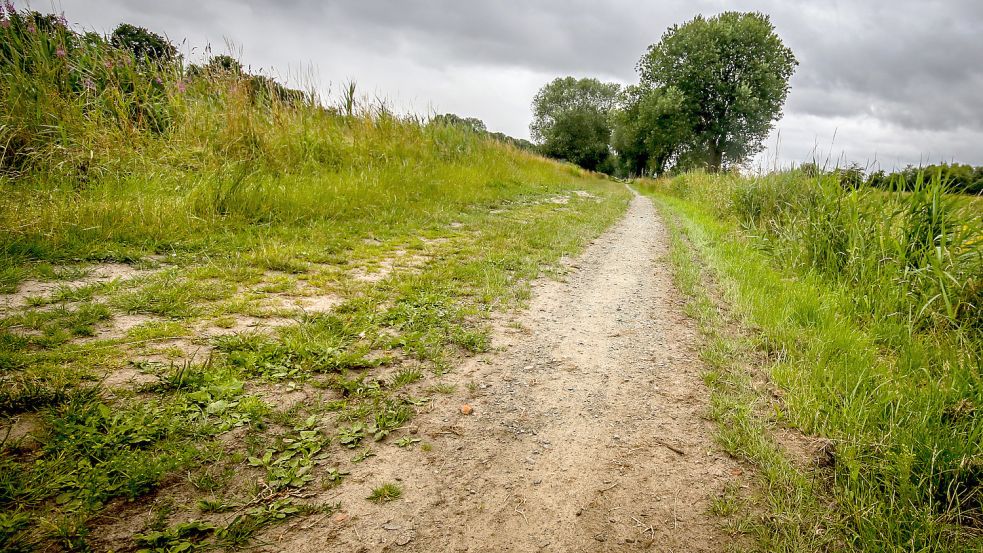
587	432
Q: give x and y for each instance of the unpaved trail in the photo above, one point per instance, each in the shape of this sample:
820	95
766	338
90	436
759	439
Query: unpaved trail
587	433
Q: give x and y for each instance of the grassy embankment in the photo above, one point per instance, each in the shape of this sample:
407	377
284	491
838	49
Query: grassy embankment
858	313
363	249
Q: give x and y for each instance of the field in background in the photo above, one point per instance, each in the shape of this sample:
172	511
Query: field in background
217	301
862	309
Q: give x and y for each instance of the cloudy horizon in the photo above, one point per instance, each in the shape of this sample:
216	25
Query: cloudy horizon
884	84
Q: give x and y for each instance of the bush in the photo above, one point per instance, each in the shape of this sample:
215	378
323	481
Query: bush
144	44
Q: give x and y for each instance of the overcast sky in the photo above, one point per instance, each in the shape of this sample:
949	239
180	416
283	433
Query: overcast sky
891	81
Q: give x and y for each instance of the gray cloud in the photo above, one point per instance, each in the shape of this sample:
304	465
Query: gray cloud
898	75
911	64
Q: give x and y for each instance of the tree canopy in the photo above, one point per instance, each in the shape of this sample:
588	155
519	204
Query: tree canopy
730	74
709	93
224	63
649	130
571	120
477	126
470	123
143	43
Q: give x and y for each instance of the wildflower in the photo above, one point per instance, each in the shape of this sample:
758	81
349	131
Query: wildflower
181	86
31	28
7	12
60	52
158	81
109	64
89	85
62	20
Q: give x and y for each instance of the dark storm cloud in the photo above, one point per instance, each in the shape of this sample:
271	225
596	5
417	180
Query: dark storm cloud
912	64
908	70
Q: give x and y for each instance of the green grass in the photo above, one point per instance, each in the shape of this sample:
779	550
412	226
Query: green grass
230	208
386	493
786	513
864	307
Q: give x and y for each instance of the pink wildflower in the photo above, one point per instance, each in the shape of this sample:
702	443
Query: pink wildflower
5	23
109	64
181	86
89	85
9	6
60	52
31	28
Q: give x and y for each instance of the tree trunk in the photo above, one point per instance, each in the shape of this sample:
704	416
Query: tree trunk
715	159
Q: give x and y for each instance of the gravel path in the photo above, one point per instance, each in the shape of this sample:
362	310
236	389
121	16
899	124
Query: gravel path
587	432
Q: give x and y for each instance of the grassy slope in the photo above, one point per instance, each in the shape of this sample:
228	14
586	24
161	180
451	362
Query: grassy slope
895	389
231	207
482	221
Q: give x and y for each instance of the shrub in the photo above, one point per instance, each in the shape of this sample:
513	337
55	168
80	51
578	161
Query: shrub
144	44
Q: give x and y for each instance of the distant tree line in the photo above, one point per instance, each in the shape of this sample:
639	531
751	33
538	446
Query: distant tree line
958	177
476	125
708	94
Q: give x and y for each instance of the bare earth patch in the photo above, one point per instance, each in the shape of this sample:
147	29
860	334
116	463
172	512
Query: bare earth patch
119	325
128	377
34	288
243	325
583	432
400	259
176	351
282	397
319	303
20	429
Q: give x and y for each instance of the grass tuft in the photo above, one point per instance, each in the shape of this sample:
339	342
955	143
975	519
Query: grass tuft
386	493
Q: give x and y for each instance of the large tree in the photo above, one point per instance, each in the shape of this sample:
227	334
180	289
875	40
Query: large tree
649	133
571	120
732	72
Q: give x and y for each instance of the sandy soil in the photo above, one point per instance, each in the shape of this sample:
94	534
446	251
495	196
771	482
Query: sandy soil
106	272
587	431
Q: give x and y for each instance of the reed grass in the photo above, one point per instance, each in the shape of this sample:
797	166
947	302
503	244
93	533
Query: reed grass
867	305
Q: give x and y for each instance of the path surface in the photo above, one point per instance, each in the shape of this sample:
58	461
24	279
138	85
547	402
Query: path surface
587	432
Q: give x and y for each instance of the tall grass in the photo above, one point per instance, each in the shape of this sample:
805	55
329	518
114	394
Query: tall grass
871	313
915	257
106	156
